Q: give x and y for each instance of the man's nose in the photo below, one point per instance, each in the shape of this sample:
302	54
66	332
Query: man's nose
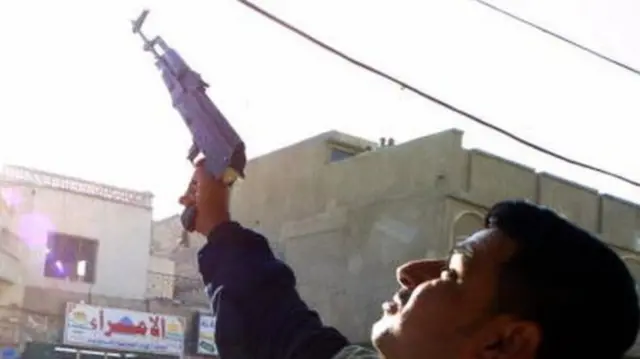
186	200
413	273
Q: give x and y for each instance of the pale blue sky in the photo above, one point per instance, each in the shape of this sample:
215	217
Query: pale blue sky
81	98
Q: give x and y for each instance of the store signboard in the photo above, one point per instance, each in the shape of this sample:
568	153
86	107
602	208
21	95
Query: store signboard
121	329
207	335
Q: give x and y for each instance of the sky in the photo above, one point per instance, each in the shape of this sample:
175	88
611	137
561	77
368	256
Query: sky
81	98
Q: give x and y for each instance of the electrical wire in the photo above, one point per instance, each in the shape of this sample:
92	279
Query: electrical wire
421	93
557	36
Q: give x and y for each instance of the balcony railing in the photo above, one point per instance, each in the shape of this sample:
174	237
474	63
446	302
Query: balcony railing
55	181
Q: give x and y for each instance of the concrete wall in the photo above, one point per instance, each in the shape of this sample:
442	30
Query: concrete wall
345	226
127	274
13	254
160	278
171	243
118	219
123	233
298	181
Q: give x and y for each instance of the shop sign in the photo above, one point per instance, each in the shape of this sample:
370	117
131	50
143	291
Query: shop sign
207	335
121	329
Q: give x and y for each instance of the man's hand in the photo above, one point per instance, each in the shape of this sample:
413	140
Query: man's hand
206	201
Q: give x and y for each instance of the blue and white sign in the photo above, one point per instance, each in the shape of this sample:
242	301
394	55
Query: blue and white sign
207	335
9	353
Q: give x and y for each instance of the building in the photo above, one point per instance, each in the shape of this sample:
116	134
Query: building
173	244
345	212
70	249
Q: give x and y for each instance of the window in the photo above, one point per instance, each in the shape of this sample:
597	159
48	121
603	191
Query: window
70	257
339	155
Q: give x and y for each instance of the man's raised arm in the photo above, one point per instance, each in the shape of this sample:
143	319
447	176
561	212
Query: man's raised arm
259	314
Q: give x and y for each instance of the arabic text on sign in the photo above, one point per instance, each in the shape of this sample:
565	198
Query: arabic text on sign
153	326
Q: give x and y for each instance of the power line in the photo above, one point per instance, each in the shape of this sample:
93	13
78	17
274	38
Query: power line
421	93
559	37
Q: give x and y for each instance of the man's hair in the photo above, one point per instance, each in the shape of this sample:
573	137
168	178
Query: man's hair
576	288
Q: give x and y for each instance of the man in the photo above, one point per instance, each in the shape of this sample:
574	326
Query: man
529	285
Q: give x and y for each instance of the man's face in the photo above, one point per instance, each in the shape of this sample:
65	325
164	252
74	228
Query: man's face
205	202
443	309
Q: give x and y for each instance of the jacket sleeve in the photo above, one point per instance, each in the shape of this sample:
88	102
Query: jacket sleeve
259	314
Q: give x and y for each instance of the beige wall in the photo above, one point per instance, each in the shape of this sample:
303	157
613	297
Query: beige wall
168	243
123	233
127	275
344	227
160	278
118	219
13	254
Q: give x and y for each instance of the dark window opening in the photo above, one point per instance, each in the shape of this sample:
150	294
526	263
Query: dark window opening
339	155
71	257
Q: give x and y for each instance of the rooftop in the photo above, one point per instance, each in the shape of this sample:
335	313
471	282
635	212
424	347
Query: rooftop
38	178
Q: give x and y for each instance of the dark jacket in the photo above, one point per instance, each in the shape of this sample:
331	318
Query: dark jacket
259	314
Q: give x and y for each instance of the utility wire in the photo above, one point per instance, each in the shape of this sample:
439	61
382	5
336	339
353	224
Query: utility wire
559	37
421	93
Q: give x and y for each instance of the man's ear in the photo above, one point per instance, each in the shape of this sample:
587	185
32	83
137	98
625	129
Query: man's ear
512	340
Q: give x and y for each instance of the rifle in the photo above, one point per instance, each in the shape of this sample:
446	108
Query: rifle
213	137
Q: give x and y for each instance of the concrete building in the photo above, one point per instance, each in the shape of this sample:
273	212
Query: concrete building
66	240
345	212
173	244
